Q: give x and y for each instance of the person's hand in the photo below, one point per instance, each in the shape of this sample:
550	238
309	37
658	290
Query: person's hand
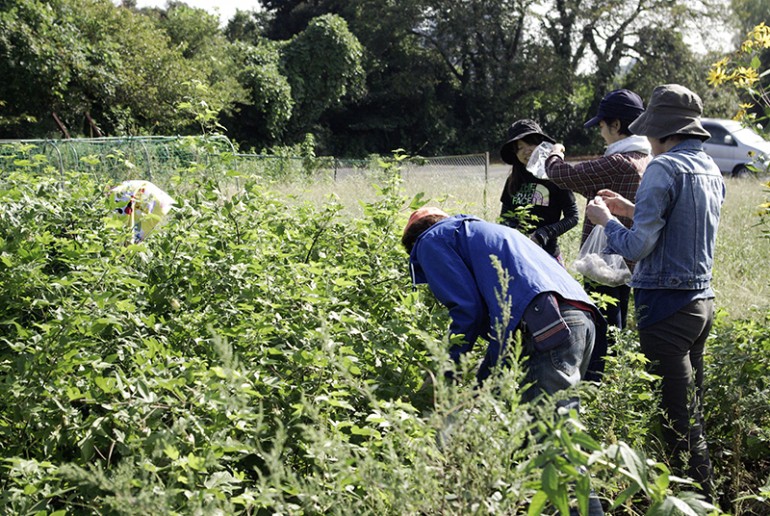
538	237
598	212
558	149
616	203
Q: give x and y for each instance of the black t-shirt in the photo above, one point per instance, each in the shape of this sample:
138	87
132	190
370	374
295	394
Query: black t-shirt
555	208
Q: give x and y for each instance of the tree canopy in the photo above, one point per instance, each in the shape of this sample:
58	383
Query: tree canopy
427	76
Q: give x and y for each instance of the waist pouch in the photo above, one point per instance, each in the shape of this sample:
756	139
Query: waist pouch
543	321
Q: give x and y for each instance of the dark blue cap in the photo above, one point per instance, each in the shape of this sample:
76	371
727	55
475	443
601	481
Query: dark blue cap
618	105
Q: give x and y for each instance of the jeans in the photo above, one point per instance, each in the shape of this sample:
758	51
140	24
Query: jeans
616	316
563	366
594	507
674	347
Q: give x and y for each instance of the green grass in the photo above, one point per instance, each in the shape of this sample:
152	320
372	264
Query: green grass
741	275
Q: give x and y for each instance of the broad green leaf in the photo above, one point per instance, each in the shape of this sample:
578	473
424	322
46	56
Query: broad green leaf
557	494
682	506
583	492
634	466
106	384
537	504
366	431
625	495
171	452
124	305
195	462
586	441
73	393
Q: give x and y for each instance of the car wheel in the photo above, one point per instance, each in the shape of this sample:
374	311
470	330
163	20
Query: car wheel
741	171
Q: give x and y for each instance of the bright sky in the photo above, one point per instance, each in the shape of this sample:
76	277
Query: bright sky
224	8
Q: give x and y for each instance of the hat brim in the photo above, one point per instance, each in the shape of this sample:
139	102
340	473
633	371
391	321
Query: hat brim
508	150
593	122
660	125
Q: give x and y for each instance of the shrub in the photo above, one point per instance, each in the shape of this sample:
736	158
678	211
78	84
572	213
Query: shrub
256	356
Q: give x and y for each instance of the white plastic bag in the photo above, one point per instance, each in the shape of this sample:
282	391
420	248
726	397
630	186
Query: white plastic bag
594	264
536	163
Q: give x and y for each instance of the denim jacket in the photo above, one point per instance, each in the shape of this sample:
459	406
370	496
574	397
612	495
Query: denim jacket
675	221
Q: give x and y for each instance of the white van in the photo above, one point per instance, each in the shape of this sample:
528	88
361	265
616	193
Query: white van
735	147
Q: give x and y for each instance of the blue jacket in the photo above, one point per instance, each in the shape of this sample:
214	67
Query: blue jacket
455	258
675	221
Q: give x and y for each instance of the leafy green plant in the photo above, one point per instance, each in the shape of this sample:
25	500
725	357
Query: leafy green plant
744	72
738	414
198	108
260	354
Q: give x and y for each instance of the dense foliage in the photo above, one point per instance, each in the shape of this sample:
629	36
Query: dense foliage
85	57
431	77
263	355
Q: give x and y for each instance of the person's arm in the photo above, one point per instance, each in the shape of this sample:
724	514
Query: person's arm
570	215
652	201
454	286
587	177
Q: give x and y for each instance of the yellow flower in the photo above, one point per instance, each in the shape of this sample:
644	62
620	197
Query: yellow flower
722	63
747	46
761	35
717	74
743	114
745	76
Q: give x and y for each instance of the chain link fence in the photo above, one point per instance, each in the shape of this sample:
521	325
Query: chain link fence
456	183
119	157
459	182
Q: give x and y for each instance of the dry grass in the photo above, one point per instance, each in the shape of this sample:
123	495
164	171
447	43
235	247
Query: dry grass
741	272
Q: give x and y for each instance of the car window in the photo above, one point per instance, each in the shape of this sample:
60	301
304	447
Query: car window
719	135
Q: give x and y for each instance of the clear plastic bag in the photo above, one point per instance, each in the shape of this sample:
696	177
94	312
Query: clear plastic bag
536	163
598	266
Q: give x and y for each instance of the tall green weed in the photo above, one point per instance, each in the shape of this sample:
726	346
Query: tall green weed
263	356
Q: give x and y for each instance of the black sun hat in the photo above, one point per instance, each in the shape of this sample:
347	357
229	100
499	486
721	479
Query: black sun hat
518	130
